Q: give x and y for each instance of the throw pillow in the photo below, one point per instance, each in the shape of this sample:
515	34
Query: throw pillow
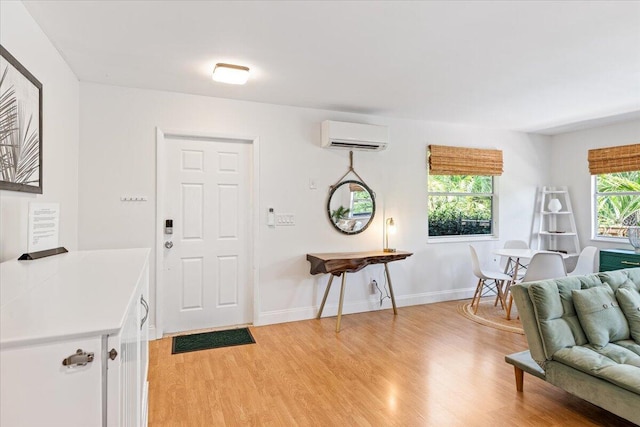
600	315
629	300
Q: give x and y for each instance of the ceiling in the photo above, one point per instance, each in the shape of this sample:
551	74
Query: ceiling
542	67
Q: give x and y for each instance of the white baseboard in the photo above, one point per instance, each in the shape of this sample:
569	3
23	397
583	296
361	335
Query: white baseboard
153	333
305	313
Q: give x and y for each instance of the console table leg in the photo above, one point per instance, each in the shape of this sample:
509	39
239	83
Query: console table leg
344	279
393	298
324	299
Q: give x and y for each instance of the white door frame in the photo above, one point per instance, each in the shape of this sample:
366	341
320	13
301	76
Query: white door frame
161	136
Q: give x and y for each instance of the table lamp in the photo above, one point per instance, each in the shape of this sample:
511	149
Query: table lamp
389	228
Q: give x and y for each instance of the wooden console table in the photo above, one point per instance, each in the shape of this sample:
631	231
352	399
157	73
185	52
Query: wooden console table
341	263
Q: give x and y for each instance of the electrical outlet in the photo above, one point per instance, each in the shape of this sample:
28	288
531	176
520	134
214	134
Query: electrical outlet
373	285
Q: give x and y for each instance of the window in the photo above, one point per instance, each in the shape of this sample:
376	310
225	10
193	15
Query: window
461	190
361	203
617	203
460	205
616	189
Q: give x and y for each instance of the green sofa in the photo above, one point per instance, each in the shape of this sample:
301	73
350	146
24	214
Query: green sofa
584	337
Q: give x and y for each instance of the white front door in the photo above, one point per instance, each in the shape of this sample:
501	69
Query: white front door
207	270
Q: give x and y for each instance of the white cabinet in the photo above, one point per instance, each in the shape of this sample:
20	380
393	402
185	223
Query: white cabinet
92	301
127	373
36	390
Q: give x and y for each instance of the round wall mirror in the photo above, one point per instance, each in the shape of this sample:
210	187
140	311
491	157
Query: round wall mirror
351	207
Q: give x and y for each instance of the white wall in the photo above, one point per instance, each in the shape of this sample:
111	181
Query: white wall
117	157
24	39
570	167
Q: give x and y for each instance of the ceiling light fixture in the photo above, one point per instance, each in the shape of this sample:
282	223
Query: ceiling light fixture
232	74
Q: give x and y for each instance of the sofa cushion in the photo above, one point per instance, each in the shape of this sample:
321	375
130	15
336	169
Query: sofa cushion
590	280
554	312
629	345
600	315
613	363
629	277
629	300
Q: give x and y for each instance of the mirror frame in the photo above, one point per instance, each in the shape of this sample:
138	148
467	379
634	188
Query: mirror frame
373	201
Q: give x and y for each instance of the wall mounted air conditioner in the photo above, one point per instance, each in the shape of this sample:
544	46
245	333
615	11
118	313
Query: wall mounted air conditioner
354	136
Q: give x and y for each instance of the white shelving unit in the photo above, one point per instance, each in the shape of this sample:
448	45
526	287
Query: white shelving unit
556	230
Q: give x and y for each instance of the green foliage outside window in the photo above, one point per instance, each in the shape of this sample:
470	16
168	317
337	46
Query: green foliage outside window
460	205
362	203
618	202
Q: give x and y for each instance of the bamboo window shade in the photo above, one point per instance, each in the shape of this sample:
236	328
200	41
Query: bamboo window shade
623	158
445	160
355	187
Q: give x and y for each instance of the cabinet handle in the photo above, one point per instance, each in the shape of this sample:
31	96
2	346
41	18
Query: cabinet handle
146	313
79	358
630	263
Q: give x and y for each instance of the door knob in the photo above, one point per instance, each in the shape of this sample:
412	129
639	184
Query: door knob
168	244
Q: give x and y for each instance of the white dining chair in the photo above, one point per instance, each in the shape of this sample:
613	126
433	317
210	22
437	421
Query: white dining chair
586	262
496	279
516	244
543	265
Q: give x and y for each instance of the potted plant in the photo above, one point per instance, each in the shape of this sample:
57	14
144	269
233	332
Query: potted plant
340	213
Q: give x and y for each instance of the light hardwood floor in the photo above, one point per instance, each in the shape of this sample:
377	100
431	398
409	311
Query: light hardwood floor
428	366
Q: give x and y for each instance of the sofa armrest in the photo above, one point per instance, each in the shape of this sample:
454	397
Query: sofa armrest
522	362
529	322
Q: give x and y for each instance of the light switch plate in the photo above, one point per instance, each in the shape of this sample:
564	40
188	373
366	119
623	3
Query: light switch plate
285	219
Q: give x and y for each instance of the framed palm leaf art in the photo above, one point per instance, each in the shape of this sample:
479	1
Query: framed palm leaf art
20	127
